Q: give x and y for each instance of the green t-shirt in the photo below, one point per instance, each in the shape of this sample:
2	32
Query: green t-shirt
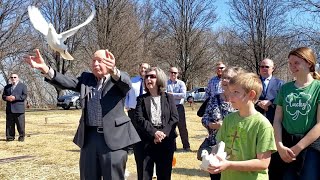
299	106
245	137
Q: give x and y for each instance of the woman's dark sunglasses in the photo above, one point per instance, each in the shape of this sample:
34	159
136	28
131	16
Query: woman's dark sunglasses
152	76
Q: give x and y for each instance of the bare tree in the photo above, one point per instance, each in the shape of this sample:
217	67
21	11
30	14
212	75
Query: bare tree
116	27
185	38
13	35
305	22
259	31
64	15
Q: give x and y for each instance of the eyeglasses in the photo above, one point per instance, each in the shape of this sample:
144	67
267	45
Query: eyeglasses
151	76
220	68
174	72
13	77
267	67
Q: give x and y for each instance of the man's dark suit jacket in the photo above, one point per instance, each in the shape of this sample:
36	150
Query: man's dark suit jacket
270	94
169	117
117	126
20	93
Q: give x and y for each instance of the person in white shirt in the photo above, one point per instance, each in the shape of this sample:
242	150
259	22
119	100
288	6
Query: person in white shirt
178	89
136	90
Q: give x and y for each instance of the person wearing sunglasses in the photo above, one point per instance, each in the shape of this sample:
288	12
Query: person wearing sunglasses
136	90
105	131
156	117
15	94
270	88
178	89
214	85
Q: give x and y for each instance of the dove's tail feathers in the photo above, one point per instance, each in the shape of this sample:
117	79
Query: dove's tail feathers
66	55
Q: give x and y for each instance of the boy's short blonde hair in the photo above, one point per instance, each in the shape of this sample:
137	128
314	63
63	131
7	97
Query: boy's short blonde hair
233	71
248	81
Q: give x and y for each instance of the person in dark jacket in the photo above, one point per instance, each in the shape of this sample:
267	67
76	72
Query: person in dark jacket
105	131
15	95
156	117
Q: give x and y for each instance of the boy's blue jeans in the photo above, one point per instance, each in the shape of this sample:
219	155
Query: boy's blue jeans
308	169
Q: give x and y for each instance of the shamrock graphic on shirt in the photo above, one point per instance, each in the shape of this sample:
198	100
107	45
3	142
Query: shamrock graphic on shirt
298	104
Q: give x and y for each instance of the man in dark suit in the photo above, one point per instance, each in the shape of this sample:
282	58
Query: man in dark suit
15	94
271	86
104	131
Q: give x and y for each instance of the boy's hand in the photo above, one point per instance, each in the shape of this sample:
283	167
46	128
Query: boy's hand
223	165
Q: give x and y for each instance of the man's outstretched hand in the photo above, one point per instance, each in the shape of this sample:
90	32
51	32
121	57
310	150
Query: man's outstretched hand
36	61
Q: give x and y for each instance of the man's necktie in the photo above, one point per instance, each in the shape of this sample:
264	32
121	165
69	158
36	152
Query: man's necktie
264	85
141	87
12	88
100	82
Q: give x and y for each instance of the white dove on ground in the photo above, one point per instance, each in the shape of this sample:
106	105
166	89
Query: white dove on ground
55	41
212	159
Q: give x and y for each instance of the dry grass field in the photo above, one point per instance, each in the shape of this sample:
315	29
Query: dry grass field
49	153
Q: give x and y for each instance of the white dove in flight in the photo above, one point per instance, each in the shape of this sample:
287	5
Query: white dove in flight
55	41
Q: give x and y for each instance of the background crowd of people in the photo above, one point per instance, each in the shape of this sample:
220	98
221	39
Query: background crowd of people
270	128
292	109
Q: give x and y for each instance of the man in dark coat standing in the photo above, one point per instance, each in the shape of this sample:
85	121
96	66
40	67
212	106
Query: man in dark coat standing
271	86
15	94
104	131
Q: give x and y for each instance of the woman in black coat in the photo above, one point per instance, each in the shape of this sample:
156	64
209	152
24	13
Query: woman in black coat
156	117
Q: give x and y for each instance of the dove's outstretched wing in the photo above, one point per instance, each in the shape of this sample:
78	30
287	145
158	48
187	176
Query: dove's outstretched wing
70	32
37	20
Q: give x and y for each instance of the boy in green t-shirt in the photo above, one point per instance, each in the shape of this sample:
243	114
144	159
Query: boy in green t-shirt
248	135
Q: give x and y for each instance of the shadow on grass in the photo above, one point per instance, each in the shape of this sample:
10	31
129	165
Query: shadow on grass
36	110
190	172
11	159
50	109
199	137
184	151
73	150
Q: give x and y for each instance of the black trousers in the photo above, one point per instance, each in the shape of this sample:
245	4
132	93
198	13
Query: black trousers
276	167
13	119
147	154
98	160
215	176
182	126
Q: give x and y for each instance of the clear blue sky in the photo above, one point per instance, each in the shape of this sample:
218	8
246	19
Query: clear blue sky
222	10
294	17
